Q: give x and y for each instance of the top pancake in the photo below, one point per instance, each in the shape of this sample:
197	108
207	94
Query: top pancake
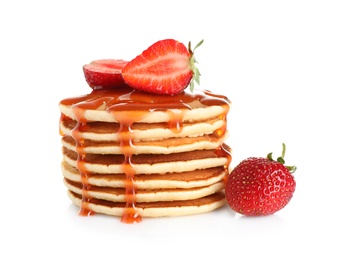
125	104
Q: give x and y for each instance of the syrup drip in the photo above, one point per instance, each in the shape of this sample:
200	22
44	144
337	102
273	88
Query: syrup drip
75	133
130	213
176	120
127	107
80	145
220	132
225	151
78	111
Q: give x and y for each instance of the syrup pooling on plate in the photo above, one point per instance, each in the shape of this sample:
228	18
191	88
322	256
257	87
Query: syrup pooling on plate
129	106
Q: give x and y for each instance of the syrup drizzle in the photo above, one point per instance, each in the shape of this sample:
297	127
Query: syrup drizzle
85	174
127	107
130	213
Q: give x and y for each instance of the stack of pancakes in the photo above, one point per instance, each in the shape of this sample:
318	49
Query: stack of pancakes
134	154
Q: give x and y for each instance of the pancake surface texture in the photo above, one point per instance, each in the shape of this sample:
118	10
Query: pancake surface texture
133	154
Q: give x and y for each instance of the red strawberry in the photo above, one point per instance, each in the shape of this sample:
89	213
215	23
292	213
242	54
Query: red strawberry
166	67
260	186
105	73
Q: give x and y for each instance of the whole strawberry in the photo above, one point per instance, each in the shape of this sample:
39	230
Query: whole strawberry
260	186
166	67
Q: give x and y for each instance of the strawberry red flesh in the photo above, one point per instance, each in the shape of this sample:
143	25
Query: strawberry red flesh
110	63
106	73
164	68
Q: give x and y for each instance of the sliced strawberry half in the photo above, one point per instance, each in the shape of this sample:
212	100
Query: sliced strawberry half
106	73
166	67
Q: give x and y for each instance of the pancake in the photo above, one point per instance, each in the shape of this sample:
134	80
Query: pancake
166	146
108	131
154	209
146	164
134	154
101	106
191	179
148	195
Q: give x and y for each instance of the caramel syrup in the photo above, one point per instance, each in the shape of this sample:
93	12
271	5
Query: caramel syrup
127	107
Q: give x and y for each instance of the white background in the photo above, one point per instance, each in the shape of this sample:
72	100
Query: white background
278	61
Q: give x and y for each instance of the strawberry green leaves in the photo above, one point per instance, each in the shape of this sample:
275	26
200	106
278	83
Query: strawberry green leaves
196	73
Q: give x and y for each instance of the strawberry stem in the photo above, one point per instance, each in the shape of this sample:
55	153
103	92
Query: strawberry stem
281	160
196	72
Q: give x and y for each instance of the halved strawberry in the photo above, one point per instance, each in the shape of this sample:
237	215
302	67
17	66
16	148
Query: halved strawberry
166	67
106	73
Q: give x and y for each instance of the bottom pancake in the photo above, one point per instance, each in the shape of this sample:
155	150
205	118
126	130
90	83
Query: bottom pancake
154	209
